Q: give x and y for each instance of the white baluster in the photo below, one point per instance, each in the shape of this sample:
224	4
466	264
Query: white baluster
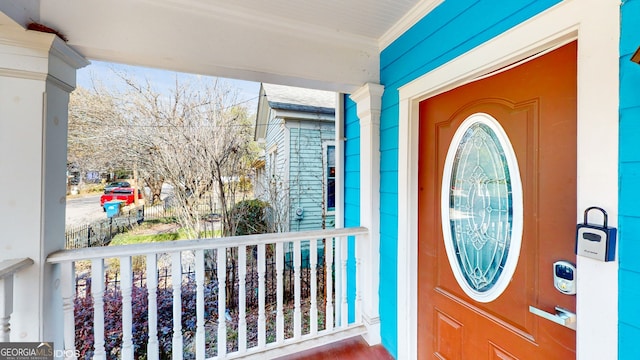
297	314
313	263
6	306
242	297
152	295
328	265
127	309
97	293
262	336
339	281
222	299
67	282
344	310
200	332
176	281
279	292
359	282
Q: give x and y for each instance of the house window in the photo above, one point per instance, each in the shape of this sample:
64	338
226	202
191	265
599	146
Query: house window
273	158
331	178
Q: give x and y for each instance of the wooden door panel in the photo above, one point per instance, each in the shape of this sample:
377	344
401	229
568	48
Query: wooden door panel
497	353
513	307
449	336
535	104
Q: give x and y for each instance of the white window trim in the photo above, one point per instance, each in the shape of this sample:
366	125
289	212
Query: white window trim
273	161
516	201
286	153
325	180
340	140
596	26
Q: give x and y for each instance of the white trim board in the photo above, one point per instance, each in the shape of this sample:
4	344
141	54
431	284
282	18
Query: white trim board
412	17
596	26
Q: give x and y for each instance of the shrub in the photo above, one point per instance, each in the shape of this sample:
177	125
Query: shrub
250	217
139	299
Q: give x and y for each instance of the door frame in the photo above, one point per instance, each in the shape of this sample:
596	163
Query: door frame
596	27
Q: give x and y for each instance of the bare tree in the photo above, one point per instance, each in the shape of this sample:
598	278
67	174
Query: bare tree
275	191
197	139
92	141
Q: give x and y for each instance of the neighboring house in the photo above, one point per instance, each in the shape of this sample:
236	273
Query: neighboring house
297	175
76	176
545	88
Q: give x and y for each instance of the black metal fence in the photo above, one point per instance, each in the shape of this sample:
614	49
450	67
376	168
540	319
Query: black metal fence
100	233
160	211
166	210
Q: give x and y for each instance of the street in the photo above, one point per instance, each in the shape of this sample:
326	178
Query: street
83	210
86	209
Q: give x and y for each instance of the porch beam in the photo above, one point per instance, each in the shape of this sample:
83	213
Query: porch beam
223	44
369	104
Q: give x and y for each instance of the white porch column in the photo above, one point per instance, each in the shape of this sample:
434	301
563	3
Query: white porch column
37	73
369	101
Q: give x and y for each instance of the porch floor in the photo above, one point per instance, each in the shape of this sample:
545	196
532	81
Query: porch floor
352	348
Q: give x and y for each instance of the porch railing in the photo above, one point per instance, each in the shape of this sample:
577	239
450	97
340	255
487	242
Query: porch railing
211	313
7	269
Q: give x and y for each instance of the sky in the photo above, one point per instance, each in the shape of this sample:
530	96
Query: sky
161	79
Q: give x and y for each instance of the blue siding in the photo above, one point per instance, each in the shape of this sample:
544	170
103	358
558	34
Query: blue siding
628	138
352	189
629	335
450	30
275	137
351	164
629	167
307	174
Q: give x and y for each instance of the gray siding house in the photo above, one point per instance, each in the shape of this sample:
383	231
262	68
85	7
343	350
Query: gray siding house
297	173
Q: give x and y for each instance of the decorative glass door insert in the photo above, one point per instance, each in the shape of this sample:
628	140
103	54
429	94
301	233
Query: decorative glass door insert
482	207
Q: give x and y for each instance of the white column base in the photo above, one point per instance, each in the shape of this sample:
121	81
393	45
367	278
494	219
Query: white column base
372	337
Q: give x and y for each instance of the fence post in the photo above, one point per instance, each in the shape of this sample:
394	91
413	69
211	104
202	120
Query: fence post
140	215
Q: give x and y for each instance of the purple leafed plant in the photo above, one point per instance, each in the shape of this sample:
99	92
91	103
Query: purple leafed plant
140	305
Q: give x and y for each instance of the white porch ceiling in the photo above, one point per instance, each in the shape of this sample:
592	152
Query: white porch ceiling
324	44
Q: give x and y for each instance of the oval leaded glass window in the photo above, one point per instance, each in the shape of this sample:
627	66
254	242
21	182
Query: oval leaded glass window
482	207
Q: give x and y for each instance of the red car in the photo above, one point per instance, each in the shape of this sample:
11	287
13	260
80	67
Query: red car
125	194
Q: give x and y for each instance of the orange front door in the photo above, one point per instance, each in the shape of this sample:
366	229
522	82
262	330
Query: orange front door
535	104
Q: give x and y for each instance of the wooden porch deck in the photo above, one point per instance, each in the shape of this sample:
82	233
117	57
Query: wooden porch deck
348	349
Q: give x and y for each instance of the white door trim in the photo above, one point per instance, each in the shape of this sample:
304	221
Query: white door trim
596	26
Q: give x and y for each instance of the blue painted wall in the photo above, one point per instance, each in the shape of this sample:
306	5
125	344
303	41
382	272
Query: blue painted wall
629	197
351	164
453	28
352	189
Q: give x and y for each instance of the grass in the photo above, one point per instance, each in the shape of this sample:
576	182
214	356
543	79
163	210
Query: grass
145	233
165	220
129	238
